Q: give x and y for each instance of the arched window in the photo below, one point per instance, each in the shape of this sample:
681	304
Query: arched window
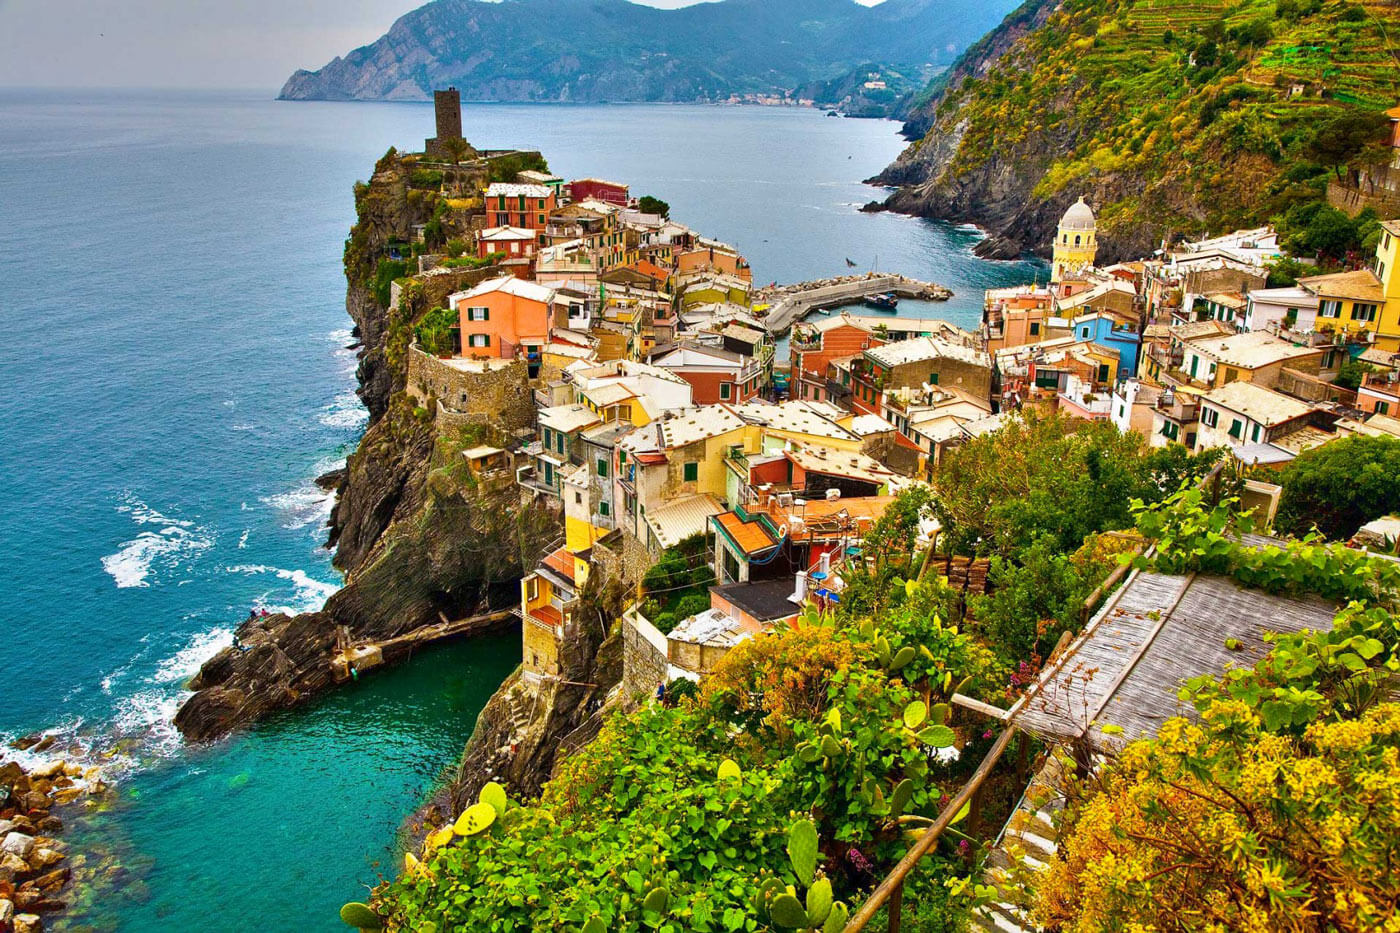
1076	239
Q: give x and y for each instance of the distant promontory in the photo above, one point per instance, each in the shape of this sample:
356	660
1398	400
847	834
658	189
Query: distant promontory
613	50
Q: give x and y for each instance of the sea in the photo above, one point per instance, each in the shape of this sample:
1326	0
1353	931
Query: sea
177	371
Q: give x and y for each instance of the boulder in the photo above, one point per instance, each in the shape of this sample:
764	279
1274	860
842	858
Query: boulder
49	769
53	880
16	843
28	923
13	869
7	910
44	857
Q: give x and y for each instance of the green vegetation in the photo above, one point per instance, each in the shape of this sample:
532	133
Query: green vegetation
434	332
1340	486
1280	808
650	205
385	274
506	168
678	585
1316	228
1183	115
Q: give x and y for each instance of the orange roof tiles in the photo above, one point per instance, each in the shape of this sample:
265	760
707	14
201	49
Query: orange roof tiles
751	536
561	562
547	615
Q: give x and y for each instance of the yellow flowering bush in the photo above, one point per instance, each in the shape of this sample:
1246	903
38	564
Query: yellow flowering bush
1222	825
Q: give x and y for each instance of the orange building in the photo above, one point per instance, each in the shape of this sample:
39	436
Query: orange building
502	318
512	205
815	344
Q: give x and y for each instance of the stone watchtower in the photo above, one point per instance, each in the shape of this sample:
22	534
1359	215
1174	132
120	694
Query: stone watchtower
1075	244
447	108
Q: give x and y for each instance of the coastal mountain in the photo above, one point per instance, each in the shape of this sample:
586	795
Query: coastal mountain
1169	116
597	50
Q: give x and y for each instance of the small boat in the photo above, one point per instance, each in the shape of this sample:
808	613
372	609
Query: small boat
885	302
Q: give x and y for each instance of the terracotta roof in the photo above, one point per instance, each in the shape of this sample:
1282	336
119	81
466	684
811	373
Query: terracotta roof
547	615
751	536
561	562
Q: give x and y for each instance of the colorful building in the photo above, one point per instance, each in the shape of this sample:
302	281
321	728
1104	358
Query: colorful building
1075	244
516	205
1388	272
1348	303
504	318
598	189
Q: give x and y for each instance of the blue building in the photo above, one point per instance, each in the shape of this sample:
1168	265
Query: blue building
1111	333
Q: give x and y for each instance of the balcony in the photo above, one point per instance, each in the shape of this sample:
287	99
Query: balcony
1385	383
529	478
1178	407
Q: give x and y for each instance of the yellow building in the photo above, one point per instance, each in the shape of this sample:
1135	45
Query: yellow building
1075	241
1347	302
1388	272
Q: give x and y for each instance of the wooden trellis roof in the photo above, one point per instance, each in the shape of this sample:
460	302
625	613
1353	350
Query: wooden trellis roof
1156	632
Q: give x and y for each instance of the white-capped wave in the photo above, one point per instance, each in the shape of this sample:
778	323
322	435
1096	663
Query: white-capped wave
164	548
183	664
347	411
307	593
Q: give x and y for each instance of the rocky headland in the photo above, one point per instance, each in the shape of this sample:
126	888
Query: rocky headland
1170	118
420	543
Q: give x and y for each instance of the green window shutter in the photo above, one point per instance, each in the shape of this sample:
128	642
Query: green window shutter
933	379
602	468
725	391
1254	435
1236	428
1103	372
603	509
692	471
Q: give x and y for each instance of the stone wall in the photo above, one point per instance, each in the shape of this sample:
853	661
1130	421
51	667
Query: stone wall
499	393
643	656
621	556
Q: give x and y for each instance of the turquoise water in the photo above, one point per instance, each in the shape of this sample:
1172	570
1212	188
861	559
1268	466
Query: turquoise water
176	373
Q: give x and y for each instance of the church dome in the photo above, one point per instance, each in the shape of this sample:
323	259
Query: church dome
1080	216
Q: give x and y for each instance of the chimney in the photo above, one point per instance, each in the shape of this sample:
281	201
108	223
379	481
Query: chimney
800	595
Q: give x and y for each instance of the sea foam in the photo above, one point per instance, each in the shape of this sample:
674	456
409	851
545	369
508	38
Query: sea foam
150	551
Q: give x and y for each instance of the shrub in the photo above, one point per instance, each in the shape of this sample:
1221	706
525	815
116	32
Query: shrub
1340	486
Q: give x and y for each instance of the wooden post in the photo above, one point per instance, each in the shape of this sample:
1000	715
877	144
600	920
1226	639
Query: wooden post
896	908
895	879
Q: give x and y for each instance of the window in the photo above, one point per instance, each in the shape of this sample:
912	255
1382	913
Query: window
559	441
1363	312
1254	434
603	509
1035	328
1237	428
603	467
578	498
1328	359
1103	372
1076	239
933	379
725	391
478	340
478	314
1329	308
691	471
1382	408
1231	374
1210	417
622	458
1083	332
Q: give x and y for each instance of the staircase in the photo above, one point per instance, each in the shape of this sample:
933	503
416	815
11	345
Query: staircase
1027	844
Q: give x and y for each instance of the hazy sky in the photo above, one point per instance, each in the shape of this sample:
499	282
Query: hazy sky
187	43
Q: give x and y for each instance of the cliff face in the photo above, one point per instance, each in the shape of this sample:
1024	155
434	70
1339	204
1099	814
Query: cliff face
599	50
1169	116
420	541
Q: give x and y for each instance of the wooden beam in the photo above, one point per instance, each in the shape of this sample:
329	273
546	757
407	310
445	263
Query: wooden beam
977	706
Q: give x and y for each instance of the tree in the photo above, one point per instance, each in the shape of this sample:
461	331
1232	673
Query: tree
650	205
457	149
1340	486
1348	138
1350	372
1042	474
1032	601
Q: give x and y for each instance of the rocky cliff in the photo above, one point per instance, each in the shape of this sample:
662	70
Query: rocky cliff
1170	116
419	540
599	50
